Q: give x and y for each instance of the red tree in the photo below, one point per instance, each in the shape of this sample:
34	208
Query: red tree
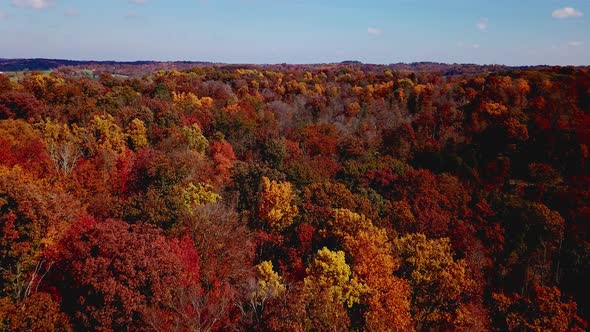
115	276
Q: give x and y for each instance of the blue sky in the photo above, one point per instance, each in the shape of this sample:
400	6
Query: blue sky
513	32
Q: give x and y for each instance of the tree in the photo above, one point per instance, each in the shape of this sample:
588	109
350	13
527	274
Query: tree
38	312
33	217
159	187
246	182
22	105
433	210
22	145
347	223
439	284
226	253
137	133
386	296
223	156
275	207
195	138
269	283
318	200
320	139
102	134
543	310
5	84
320	302
536	234
115	276
48	87
63	146
329	272
302	309
189	105
269	286
199	194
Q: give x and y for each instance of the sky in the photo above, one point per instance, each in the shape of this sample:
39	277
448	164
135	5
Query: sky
510	32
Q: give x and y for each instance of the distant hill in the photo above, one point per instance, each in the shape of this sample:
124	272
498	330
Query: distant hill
140	68
48	64
351	62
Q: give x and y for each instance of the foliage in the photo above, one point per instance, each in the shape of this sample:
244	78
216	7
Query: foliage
113	276
274	207
329	272
269	284
544	310
329	197
439	284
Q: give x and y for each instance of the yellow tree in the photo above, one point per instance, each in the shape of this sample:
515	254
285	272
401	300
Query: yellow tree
347	223
439	284
102	134
269	286
188	104
319	303
195	139
328	290
275	206
47	87
137	134
329	272
186	101
269	283
198	194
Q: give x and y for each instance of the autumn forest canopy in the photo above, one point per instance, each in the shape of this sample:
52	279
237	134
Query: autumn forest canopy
337	197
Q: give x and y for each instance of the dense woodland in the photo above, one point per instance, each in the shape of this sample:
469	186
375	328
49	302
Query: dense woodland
296	198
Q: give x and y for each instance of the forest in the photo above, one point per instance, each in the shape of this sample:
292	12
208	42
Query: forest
335	197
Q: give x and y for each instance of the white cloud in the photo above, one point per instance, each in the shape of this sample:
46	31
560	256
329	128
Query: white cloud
35	4
375	31
566	12
475	46
575	43
138	2
483	24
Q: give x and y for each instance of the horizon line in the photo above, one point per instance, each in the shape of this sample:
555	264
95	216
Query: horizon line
344	62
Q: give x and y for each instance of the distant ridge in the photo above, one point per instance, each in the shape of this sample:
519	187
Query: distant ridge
351	62
48	64
139	68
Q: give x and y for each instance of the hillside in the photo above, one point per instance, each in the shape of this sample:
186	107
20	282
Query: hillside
329	197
